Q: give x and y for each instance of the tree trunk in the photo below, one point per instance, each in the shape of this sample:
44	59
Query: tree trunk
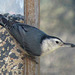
32	17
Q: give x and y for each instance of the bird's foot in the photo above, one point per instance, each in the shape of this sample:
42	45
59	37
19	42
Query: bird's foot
33	58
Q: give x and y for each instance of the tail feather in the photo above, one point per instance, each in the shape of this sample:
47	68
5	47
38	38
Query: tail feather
3	21
7	20
2	25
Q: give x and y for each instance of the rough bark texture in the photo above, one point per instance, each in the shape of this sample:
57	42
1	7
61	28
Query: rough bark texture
32	12
32	17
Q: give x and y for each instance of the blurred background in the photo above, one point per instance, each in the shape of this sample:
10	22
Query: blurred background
57	18
12	7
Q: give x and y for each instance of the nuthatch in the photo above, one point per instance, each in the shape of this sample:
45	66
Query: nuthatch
34	41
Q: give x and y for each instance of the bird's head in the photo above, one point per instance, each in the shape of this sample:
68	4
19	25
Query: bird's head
50	44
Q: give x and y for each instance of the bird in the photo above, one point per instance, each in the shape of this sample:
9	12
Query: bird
34	41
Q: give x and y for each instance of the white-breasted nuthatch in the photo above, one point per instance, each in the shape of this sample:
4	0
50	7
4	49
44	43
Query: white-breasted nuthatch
34	41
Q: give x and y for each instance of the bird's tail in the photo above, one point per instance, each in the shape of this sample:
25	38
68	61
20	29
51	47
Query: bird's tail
3	21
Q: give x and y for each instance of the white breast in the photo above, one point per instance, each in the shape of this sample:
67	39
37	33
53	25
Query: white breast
48	46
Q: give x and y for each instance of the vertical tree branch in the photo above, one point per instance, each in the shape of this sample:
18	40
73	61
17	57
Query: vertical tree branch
32	17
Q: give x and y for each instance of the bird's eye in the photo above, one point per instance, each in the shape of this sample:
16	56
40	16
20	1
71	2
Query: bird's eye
57	42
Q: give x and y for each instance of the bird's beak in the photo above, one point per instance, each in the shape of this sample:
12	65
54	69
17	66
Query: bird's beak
68	45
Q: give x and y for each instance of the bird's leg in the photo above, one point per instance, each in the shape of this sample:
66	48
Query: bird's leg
31	57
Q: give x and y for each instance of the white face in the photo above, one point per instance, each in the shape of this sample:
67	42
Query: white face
49	45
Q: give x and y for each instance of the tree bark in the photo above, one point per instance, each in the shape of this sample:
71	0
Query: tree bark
32	17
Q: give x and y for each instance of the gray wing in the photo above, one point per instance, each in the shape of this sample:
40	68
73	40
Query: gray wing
28	37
